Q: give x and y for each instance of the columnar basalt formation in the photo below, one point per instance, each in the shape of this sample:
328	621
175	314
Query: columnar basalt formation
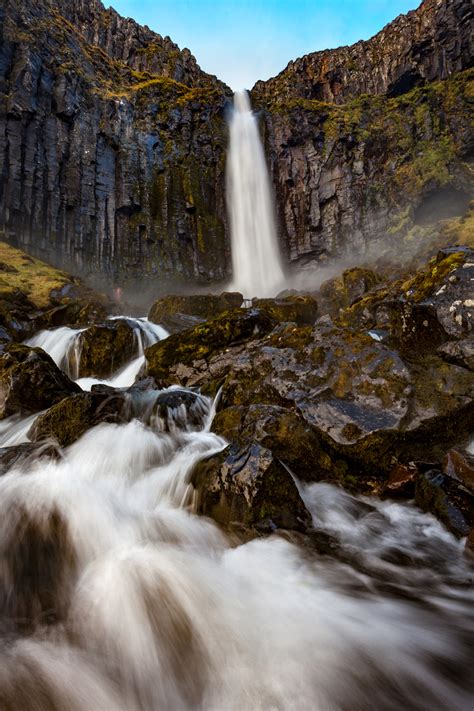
112	144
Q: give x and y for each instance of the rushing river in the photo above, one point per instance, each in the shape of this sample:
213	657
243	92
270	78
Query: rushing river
115	595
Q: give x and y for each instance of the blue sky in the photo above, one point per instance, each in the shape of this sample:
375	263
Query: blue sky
244	40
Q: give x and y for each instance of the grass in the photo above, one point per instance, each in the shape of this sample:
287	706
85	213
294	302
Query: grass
32	276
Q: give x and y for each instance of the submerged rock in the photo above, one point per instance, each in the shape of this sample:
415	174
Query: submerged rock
24	455
248	486
30	381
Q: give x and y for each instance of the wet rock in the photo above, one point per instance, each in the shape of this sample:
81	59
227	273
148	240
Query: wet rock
249	486
470	544
66	421
197	345
443	497
104	348
401	480
438	303
459	352
175	312
300	309
24	455
344	291
176	410
460	467
30	381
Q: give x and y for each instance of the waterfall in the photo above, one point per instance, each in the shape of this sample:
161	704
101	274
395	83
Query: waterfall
256	261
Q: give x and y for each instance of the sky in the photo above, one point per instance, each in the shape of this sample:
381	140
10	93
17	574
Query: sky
242	41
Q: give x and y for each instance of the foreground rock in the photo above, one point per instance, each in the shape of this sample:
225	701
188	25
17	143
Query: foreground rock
193	348
66	421
24	455
30	381
248	486
177	313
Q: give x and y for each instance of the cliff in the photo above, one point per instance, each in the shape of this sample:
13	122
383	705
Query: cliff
113	141
372	145
112	144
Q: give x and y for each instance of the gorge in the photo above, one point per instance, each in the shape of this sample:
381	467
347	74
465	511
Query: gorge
237	446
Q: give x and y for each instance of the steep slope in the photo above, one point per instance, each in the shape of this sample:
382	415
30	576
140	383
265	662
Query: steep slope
111	141
368	148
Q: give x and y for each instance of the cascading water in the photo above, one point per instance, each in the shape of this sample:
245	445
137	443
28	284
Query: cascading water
256	260
116	596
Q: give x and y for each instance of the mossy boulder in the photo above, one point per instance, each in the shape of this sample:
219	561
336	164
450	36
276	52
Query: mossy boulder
104	348
197	345
248	486
343	291
300	309
175	312
30	381
66	421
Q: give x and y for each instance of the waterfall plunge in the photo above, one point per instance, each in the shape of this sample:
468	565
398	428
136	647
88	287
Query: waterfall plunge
256	260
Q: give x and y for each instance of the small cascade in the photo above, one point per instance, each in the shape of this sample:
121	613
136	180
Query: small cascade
64	345
256	260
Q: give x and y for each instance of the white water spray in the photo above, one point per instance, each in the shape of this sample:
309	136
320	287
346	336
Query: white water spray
256	260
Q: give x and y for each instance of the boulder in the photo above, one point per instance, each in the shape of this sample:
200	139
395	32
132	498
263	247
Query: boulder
177	313
449	501
248	486
30	381
24	455
340	292
66	421
167	360
401	480
300	309
460	467
104	348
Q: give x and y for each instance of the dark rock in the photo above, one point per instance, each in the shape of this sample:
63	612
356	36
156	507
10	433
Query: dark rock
401	480
249	486
198	344
175	410
104	348
300	309
24	455
66	421
174	312
459	352
440	495
30	381
460	467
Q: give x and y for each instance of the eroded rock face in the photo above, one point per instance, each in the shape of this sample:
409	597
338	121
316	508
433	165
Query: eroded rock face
30	381
429	43
131	138
248	486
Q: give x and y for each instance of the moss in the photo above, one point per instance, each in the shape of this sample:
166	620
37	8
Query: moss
31	276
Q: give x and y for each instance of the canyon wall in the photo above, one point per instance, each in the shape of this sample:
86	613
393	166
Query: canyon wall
112	144
113	141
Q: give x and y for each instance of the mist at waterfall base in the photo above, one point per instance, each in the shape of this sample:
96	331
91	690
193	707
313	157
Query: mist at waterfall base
115	595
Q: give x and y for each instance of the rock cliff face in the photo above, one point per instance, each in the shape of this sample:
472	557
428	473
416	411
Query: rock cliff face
113	141
368	147
425	45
